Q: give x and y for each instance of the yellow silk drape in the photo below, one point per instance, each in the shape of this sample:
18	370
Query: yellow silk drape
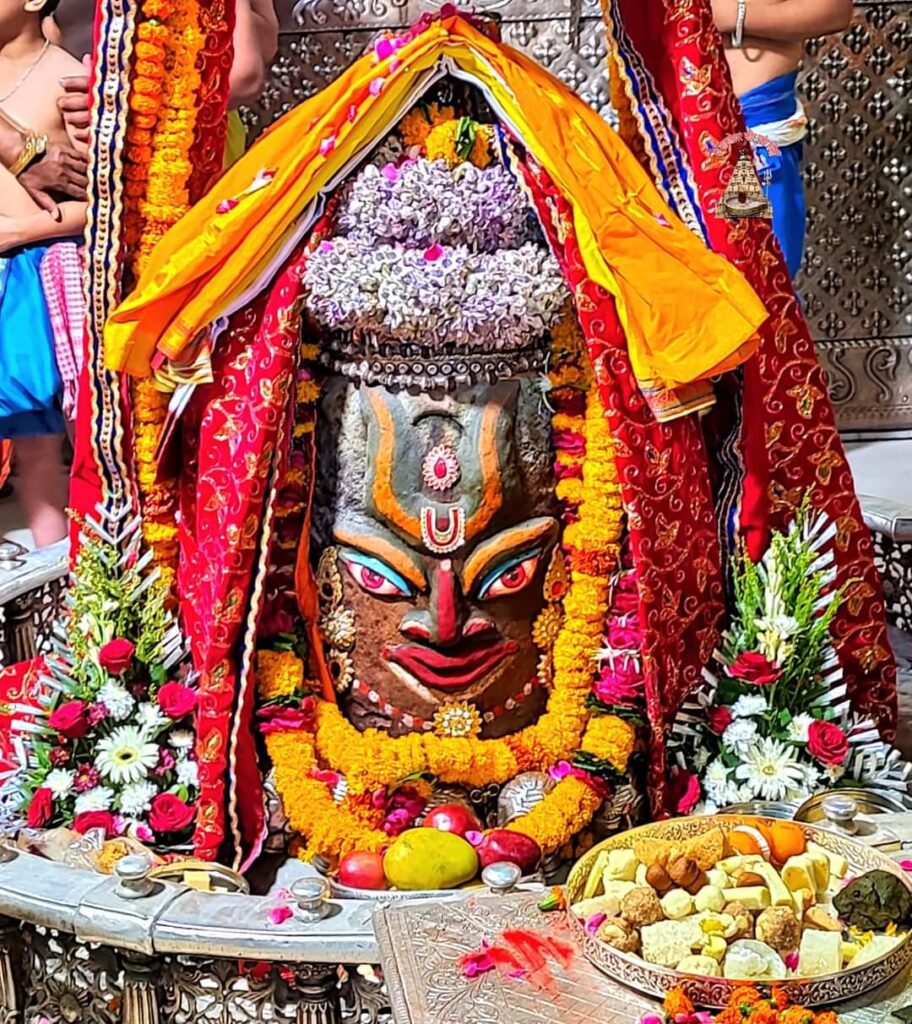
687	312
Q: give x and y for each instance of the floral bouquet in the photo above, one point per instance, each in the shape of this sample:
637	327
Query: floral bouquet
775	723
111	746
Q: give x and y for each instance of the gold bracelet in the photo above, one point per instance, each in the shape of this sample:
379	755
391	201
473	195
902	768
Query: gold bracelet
34	145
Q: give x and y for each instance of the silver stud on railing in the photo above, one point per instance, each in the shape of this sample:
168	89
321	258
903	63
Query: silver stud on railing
501	878
133	876
841	812
312	897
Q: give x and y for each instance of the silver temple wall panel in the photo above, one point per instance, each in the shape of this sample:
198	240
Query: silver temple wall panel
857	279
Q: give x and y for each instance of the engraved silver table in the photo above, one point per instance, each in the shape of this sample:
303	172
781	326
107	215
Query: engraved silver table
421	945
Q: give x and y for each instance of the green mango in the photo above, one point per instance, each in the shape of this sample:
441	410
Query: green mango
423	858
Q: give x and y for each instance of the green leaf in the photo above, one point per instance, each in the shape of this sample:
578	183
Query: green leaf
904	1014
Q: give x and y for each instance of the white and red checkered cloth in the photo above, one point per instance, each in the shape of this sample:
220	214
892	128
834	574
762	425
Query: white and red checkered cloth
61	281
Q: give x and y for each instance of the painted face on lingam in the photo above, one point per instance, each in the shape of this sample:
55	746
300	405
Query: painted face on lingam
442	535
434	512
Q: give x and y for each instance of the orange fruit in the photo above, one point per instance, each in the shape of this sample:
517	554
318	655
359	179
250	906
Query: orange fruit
743	843
786	840
750	839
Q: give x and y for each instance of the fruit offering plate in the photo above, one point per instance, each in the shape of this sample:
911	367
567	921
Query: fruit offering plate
815	988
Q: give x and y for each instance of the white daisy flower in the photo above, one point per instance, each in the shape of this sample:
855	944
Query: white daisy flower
749	705
718	785
188	773
60	782
700	759
151	719
770	769
716	774
181	739
98	799
136	798
811	778
126	755
798	728
117	700
740	736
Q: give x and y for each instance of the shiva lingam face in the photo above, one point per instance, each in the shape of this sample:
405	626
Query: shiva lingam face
434	515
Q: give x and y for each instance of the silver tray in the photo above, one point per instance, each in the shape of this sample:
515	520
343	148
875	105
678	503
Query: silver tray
650	979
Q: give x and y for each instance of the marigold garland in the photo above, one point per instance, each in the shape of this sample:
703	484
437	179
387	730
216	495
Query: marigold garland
160	133
373	760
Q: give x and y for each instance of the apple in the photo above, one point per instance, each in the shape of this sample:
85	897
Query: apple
362	870
455	818
503	845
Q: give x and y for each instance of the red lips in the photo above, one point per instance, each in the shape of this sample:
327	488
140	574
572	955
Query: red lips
449	671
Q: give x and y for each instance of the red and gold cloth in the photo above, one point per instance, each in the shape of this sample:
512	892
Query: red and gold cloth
774	419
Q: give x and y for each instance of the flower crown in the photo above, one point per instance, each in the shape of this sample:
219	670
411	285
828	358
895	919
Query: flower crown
438	276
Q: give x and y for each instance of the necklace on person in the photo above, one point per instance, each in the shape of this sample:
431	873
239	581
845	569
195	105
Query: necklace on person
24	77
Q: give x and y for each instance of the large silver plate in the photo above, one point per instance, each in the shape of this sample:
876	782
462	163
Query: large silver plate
825	990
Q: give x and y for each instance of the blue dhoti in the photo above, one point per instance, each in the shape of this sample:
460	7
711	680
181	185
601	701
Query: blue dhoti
30	385
773	111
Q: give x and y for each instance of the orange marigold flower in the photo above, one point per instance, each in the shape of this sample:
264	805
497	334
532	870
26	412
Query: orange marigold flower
746	996
765	1013
781	999
826	1017
796	1015
730	1016
677	1004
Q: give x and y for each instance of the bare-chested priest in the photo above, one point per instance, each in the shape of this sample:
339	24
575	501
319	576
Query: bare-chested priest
764	44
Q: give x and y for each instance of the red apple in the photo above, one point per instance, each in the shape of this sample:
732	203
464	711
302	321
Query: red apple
361	870
455	818
503	845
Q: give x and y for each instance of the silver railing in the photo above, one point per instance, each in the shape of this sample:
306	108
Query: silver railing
31	590
78	946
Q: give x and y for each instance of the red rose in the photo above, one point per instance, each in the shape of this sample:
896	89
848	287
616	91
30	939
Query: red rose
683	791
277	718
828	743
169	813
116	656
719	719
176	700
40	808
89	820
70	720
754	668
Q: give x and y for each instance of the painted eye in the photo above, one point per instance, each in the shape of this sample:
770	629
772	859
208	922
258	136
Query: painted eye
375	577
510	578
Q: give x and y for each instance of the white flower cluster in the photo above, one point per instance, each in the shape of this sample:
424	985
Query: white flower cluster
423	203
500	301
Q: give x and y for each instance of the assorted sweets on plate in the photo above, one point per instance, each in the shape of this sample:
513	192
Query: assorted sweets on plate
448	851
750	902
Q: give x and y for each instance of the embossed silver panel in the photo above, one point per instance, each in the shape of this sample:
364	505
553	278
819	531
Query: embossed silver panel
857	281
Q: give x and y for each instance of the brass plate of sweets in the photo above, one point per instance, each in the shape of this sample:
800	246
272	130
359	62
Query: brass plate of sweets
714	991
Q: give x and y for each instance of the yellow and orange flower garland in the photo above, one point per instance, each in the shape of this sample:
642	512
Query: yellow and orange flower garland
163	109
374	760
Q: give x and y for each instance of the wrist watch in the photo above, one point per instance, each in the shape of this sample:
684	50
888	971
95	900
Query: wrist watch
737	36
34	146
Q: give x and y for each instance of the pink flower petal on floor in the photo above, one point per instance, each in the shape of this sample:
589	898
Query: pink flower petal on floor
395	65
434	253
906	865
791	961
279	915
474	838
383	48
376	87
327	145
390	172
